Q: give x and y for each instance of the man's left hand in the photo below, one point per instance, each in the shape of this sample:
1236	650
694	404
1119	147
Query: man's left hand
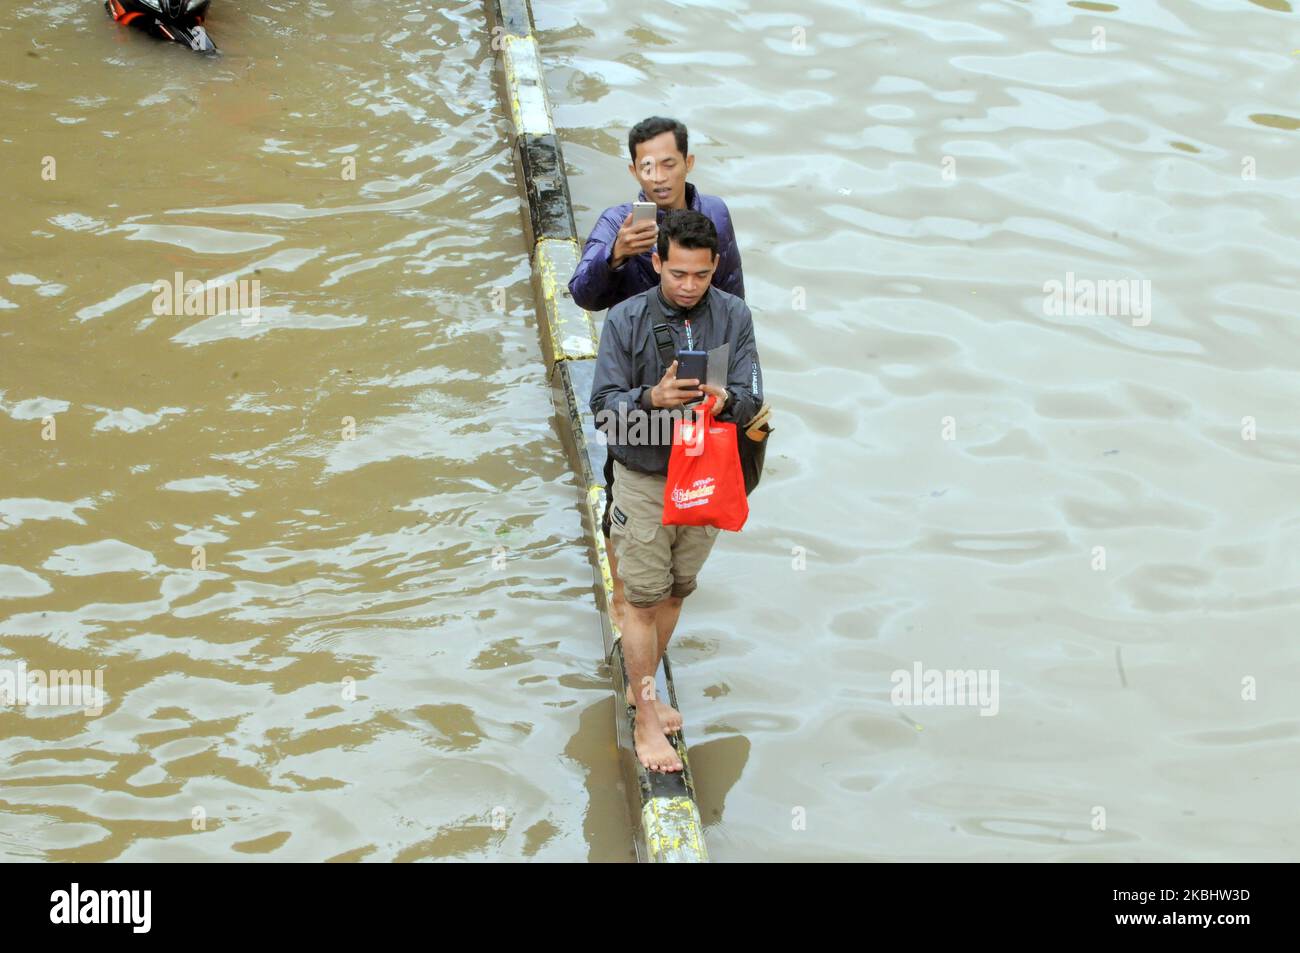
720	397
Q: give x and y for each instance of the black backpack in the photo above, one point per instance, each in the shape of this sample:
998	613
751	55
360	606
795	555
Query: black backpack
752	452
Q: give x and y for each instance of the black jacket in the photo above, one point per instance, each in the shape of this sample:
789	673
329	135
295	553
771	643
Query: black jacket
627	364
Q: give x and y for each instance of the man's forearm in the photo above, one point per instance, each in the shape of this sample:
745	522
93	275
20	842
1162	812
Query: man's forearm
593	284
631	402
739	408
614	259
590	286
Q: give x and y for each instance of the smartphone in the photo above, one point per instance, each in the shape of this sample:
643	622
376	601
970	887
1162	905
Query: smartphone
643	212
693	364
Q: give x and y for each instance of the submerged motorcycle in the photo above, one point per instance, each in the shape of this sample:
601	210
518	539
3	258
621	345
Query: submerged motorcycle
178	20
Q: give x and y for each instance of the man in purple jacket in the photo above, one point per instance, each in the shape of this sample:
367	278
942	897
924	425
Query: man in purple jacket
616	260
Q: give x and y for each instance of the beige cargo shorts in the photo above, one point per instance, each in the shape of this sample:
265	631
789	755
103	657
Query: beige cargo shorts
654	561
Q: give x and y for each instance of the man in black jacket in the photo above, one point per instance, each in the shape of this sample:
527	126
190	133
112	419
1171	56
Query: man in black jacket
633	398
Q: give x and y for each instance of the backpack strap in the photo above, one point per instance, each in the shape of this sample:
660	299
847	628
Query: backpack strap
663	336
664	344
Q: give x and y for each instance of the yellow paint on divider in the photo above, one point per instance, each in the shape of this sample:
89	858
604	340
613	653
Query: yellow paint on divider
595	508
570	330
673	830
529	107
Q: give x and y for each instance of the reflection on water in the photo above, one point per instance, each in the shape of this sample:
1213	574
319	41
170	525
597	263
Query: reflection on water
330	562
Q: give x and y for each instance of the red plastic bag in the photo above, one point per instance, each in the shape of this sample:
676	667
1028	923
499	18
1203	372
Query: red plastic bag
706	486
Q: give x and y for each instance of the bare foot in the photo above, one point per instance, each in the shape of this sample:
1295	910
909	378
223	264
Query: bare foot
669	717
652	748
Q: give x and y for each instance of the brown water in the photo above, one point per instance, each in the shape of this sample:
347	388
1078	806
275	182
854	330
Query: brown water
436	559
482	724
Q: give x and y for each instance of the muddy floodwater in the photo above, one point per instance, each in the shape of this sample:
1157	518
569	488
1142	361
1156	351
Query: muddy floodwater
1025	286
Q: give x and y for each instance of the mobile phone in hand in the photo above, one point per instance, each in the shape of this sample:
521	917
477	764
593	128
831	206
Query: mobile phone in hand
693	364
643	212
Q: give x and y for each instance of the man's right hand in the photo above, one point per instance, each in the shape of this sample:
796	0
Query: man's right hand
632	240
671	392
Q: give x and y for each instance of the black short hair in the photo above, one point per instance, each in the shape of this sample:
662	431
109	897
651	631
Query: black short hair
689	229
647	129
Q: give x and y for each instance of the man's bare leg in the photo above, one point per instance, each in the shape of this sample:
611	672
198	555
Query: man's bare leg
666	615
618	607
639	651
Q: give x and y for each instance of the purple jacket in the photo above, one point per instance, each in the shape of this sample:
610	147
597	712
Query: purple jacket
595	286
